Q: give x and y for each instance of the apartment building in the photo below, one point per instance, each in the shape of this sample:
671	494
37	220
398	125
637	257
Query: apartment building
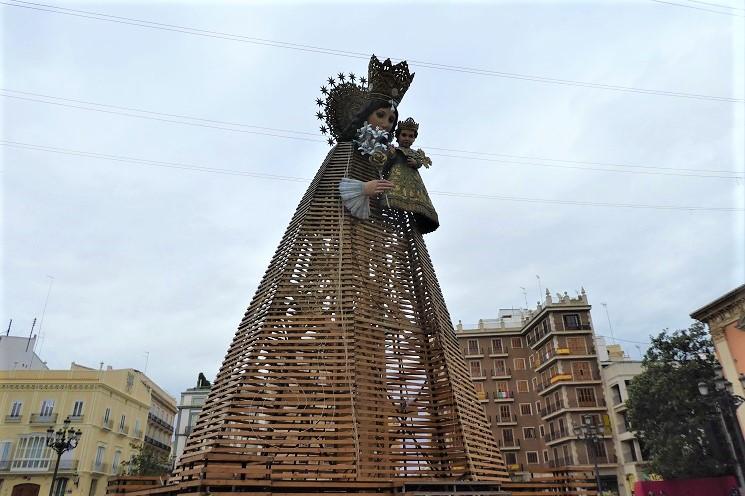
189	408
617	372
159	428
109	406
537	374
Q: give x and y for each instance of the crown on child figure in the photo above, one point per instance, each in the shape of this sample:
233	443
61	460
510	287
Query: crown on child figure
409	125
343	97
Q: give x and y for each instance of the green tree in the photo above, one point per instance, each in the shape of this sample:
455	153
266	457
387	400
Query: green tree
146	461
676	424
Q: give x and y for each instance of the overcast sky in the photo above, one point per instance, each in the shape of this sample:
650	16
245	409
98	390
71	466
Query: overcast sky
163	261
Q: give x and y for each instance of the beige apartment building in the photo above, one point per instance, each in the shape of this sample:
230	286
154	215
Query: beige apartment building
110	407
537	373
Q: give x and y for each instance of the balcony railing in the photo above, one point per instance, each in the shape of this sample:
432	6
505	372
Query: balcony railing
509	419
137	433
157	420
515	467
123	429
506	372
541	359
508	444
552	408
473	351
12	418
156	443
37	418
76	419
602	459
99	467
107	423
561	462
553	436
66	466
503	395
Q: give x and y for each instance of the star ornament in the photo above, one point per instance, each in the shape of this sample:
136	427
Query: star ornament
324	90
352	77
330	141
319	115
324	130
341	77
331	82
363	80
319	102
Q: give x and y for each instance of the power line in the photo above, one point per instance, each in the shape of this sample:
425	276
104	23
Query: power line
350	54
214	170
625	340
287	134
699	8
715	5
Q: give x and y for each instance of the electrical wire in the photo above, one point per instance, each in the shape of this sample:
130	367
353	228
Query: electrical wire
287	134
699	8
716	5
350	54
214	170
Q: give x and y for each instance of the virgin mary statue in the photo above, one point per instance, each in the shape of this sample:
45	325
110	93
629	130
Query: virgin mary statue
345	370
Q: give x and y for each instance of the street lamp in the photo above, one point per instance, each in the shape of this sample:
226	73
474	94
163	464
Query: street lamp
592	433
62	440
726	403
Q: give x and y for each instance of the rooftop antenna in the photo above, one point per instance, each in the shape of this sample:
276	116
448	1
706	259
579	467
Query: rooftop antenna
540	289
44	310
610	326
525	295
639	349
10	324
147	359
33	324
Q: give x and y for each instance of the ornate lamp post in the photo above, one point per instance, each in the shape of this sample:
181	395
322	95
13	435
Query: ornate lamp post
62	440
727	403
591	432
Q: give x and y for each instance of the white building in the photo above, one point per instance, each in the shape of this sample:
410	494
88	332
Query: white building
189	409
17	353
617	370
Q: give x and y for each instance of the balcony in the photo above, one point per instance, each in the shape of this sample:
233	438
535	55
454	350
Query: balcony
515	467
76	419
543	359
510	444
605	459
157	443
553	436
37	418
66	466
481	395
107	424
9	419
159	421
504	396
4	465
137	433
123	430
552	408
508	420
561	462
100	467
501	373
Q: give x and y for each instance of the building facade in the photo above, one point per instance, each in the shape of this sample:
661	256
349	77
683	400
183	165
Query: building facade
617	373
537	374
17	353
725	317
189	408
159	428
111	408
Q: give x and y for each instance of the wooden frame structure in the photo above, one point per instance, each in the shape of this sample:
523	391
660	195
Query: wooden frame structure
345	374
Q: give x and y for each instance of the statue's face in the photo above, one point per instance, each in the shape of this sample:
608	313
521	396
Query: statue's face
406	137
384	118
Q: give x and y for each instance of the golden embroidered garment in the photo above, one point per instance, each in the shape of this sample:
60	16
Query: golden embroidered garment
409	193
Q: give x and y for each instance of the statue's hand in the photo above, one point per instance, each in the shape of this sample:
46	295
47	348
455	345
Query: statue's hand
377	186
412	163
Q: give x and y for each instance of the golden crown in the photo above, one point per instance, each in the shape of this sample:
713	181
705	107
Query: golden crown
409	124
346	95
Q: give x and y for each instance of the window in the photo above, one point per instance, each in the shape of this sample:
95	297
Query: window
480	394
519	363
581	371
545	456
32	453
586	397
571	321
138	428
475	366
496	346
121	423
534	380
115	463
510	458
516	342
538	406
577	346
542	431
15	409
107	416
505	413
503	387
629	451
60	486
508	437
523	387
532	457
5	447
92	490
526	409
500	366
531	361
77	409
47	408
529	432
616	394
473	347
100	451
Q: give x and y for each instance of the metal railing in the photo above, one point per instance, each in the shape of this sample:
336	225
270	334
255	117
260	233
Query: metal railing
12	418
508	444
509	419
553	436
99	467
107	423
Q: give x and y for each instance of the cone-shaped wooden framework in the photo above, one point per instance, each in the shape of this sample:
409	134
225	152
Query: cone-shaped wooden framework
345	368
